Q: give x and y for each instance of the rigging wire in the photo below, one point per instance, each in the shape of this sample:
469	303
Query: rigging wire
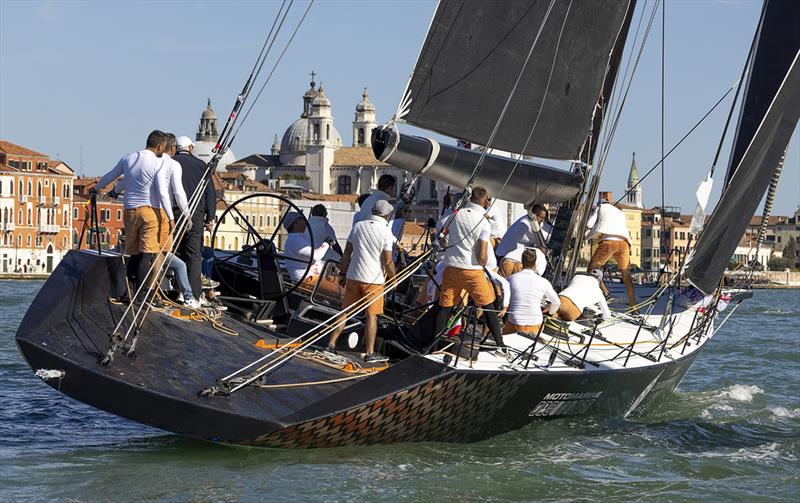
663	78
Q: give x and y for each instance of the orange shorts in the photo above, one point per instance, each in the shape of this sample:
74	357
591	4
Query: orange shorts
356	290
474	281
509	267
619	250
568	311
164	237
510	328
141	230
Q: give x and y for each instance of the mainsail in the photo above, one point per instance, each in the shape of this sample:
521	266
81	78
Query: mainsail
748	184
472	57
777	40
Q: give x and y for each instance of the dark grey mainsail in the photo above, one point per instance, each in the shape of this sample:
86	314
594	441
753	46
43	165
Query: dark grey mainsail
474	52
509	179
748	185
777	40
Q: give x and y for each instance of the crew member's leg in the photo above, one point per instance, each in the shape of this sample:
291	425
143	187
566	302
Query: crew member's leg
133	227
622	256
450	289
482	293
191	252
509	267
601	255
149	244
568	311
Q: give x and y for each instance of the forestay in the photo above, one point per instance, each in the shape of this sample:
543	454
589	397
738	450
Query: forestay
474	52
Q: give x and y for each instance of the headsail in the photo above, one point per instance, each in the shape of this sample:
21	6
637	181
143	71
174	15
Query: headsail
777	41
474	52
750	180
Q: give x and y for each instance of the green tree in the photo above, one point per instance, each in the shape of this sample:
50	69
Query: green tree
790	251
777	263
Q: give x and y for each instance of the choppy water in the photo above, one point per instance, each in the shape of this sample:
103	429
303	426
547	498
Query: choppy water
731	431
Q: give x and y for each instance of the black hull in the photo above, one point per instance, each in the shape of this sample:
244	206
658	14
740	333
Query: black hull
417	399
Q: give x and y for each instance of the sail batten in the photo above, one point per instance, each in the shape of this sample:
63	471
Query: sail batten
474	52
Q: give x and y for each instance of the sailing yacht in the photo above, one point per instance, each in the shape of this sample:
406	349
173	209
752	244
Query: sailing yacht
536	78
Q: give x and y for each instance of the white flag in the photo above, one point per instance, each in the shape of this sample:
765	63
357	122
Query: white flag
703	192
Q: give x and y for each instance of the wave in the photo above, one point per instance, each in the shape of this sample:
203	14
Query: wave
741	392
783	412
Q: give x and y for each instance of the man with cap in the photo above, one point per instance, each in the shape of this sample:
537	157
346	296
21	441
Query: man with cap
190	249
299	250
385	191
366	265
466	257
146	190
582	292
608	223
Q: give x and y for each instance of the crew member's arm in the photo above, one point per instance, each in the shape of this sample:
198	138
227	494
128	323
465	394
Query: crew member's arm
601	301
112	175
386	256
176	187
551	297
210	202
483	244
345	263
592	222
162	186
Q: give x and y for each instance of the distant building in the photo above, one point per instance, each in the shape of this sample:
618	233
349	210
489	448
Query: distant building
206	139
35	210
110	217
633	189
651	240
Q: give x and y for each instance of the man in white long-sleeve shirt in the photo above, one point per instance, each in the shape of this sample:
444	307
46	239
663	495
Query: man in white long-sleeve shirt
527	231
385	191
298	246
608	223
146	190
174	172
528	290
583	291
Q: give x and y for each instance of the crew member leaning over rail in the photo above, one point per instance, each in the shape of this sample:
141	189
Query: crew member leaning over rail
366	265
582	292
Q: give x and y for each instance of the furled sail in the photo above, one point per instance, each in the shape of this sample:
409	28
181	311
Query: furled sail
748	184
474	52
777	41
509	179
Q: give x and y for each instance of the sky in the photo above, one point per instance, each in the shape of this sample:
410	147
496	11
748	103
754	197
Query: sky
86	81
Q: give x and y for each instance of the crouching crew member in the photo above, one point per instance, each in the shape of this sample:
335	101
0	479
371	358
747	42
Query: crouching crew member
526	231
583	291
465	259
528	290
366	265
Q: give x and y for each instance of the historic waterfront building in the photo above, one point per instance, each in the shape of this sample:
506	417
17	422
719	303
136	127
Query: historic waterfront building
35	210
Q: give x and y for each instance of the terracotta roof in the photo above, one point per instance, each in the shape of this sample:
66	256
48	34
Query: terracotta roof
346	198
355	156
413	229
83	181
14	149
8	169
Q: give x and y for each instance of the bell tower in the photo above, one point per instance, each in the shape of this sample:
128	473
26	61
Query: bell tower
634	197
364	121
320	146
207	131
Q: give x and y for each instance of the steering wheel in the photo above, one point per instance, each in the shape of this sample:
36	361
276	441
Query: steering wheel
251	218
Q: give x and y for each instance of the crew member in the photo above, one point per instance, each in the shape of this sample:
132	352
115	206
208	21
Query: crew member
321	229
528	290
465	260
299	251
174	173
497	225
526	231
146	190
190	248
582	292
366	265
608	222
385	191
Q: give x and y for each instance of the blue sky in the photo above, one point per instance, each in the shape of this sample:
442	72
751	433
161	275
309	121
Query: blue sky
86	81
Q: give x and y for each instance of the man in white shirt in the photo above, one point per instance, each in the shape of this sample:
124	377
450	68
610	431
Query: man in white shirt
608	223
146	190
300	251
497	224
174	173
527	231
321	229
366	265
582	292
385	191
465	259
528	290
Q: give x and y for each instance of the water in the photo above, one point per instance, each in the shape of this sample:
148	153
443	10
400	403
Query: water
731	431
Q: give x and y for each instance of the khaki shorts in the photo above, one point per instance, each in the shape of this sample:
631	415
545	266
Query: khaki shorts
510	328
356	290
509	267
568	311
619	250
164	237
473	281
141	230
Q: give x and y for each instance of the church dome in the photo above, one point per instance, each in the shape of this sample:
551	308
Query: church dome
321	100
294	139
208	113
365	105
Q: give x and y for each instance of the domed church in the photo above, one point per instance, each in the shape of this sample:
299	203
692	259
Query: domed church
206	139
311	152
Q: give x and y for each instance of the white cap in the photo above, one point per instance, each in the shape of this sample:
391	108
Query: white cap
183	142
290	218
598	274
382	208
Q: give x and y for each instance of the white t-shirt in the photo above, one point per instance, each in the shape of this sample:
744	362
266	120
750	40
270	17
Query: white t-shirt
146	184
320	230
609	221
369	239
365	212
584	291
518	236
528	290
468	227
298	246
496	223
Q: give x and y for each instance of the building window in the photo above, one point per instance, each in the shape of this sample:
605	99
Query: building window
28	241
20	189
53	189
361	139
39	189
75	213
119	214
30	219
19	240
30	188
316	132
11	188
328	132
344	185
434	191
20	217
102	217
